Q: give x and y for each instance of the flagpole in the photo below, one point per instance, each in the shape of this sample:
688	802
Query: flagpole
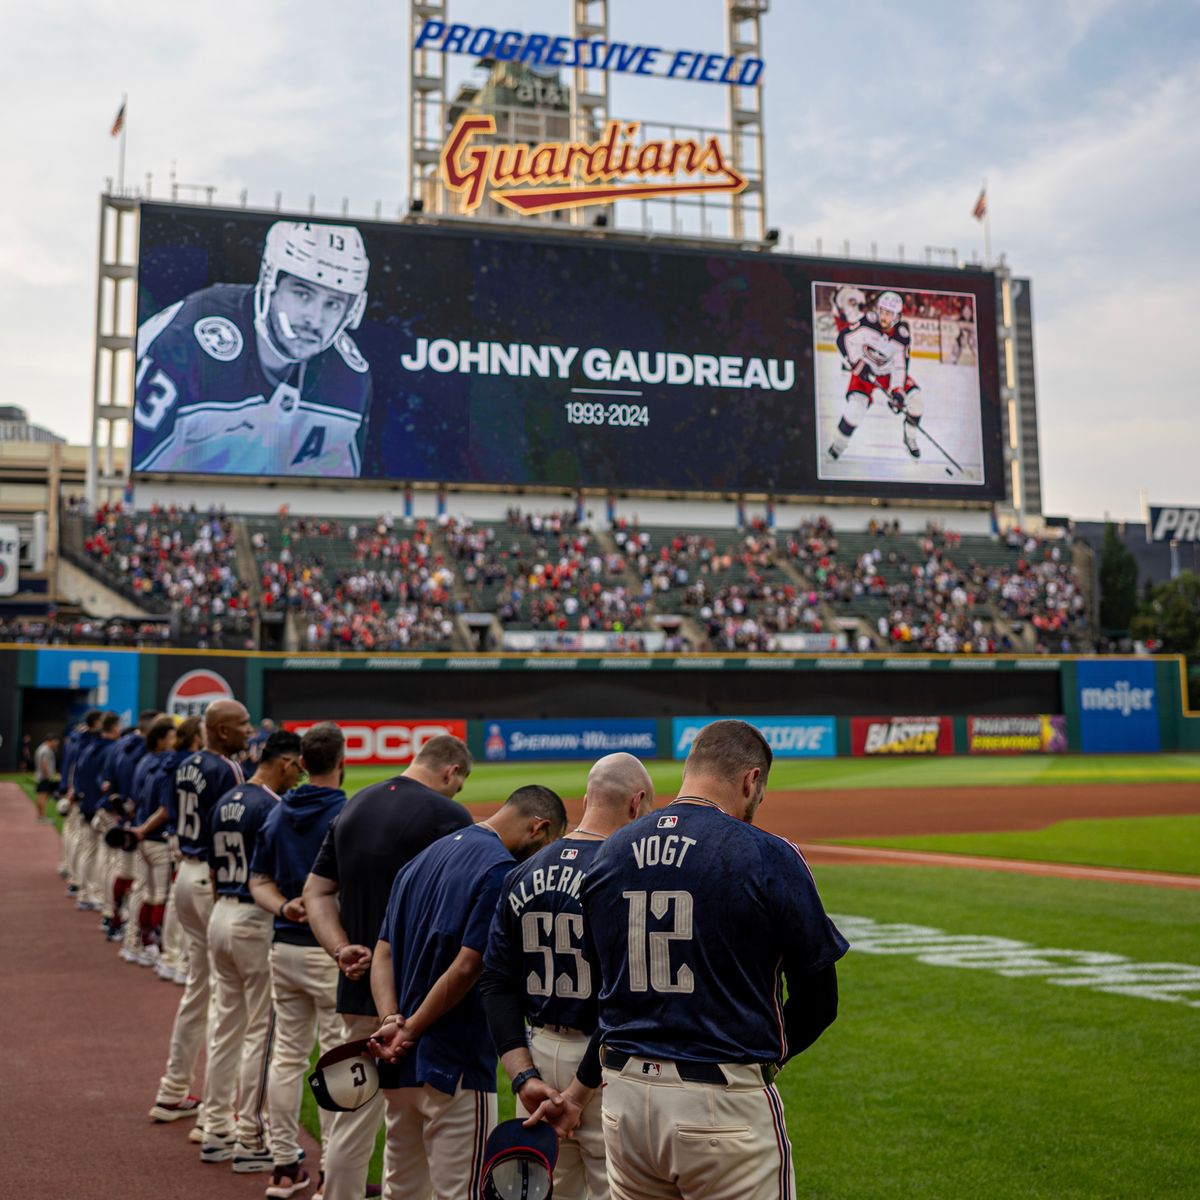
987	227
121	150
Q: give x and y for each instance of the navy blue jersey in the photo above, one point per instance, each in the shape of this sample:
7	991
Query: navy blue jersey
288	845
123	758
201	779
442	901
204	403
90	766
70	756
697	918
153	779
536	939
237	822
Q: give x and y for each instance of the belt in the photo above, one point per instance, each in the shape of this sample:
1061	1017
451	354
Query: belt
564	1030
689	1072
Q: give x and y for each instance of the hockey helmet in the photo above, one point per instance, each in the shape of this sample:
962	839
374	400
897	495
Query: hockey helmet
332	256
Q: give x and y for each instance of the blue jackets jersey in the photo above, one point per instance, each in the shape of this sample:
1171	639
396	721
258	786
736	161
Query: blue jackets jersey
153	778
237	822
697	918
204	403
443	900
201	779
288	845
536	939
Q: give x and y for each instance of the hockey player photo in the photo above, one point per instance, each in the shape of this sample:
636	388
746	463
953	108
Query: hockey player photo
897	398
263	378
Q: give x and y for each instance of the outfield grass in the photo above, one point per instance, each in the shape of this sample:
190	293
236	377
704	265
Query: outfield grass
937	1082
491	783
1137	843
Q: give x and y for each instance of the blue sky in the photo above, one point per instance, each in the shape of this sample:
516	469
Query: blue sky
882	120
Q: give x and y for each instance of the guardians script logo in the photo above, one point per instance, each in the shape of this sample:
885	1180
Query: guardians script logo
554	175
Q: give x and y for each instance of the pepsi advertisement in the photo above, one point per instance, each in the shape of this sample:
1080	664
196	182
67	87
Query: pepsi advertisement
284	347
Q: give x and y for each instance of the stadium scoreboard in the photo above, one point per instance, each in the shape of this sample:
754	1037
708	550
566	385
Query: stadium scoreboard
288	347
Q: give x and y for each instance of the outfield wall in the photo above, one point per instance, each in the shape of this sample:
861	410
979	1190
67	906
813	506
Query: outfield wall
810	705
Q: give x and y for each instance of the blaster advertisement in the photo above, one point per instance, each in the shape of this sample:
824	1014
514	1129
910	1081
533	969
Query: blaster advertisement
901	735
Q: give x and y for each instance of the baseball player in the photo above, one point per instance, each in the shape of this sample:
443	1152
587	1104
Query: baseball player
116	807
381	830
78	739
303	976
239	947
201	780
537	967
697	919
86	783
151	862
45	771
441	1090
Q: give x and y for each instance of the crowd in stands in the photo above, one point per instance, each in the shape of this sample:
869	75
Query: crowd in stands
361	588
87	631
171	560
375	585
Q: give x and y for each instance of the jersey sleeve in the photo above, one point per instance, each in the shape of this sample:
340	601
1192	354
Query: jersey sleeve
168	376
483	907
811	941
326	864
499	954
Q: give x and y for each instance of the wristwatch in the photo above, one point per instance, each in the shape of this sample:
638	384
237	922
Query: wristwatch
524	1077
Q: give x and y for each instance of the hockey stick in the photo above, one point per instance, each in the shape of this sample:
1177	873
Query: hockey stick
937	444
903	409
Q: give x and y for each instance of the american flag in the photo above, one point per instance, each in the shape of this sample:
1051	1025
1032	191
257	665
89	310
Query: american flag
119	120
980	210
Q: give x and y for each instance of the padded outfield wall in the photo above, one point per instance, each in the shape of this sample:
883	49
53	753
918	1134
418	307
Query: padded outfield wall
542	706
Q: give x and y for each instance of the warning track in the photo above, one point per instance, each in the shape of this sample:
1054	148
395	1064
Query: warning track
85	1039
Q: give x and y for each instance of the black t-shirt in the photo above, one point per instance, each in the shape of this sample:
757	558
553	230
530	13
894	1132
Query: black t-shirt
384	827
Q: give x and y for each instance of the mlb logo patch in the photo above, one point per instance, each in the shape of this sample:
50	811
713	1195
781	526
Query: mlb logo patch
667	822
654	1070
569	854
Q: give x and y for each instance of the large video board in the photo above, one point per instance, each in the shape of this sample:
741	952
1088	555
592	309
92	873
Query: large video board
278	347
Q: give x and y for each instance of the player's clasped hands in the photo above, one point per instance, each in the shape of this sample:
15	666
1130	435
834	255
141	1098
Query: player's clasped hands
560	1110
354	961
392	1040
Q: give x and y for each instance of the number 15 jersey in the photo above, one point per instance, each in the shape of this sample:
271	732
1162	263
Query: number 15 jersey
696	918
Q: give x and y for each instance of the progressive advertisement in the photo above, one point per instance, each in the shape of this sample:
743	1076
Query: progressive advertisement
275	348
788	737
1017	735
513	741
385	743
901	735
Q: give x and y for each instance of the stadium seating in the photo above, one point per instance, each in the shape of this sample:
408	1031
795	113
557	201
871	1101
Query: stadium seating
214	579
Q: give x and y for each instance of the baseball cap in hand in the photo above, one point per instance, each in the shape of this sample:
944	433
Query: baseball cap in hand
120	837
518	1163
346	1078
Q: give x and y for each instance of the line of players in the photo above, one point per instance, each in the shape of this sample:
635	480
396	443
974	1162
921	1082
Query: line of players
876	348
452	944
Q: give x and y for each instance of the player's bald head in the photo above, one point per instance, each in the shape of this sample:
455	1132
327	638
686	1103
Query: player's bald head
615	778
226	726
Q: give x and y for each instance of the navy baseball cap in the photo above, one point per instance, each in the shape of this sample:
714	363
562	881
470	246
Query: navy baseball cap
518	1163
345	1078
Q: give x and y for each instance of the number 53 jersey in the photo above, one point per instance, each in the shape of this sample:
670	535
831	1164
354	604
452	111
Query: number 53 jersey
237	821
203	402
696	919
